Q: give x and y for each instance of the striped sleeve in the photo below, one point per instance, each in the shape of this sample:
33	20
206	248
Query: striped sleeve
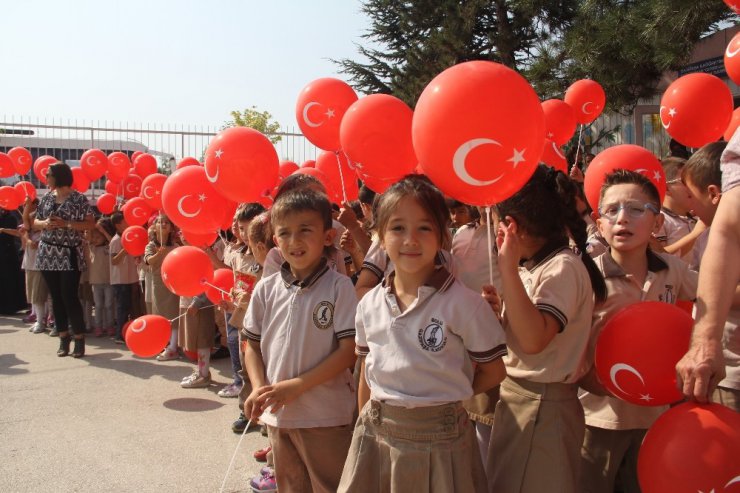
362	350
251	335
555	312
341	334
487	356
373	268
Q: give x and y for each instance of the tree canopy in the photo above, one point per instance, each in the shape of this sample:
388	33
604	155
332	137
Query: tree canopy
258	120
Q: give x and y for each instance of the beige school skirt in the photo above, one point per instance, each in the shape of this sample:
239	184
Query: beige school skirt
197	331
425	449
36	290
537	438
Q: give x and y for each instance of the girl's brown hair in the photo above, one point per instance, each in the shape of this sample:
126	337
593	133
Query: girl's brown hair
260	231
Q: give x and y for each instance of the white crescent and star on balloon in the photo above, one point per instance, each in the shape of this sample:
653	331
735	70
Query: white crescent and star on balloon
584	107
614	371
731	53
138	212
461	155
671	112
557	150
137	329
182	211
329	113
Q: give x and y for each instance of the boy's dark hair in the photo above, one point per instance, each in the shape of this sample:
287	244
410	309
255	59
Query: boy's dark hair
116	218
545	207
62	174
453	203
247	212
625	177
702	168
297	181
107	225
298	201
672	167
366	196
678	150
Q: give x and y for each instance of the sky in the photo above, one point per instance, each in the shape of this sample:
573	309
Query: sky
166	61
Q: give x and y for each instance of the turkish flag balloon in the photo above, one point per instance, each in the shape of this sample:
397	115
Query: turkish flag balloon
113	188
199	240
560	121
135	155
22	160
188	161
286	168
191	202
10	198
734	6
587	98
151	190
242	164
227	219
131	186
732	127
331	163
134	239
41	167
80	181
478	131
145	165
553	156
223	280
320	108
377	185
136	211
106	203
26	188
624	156
321	176
186	270
309	163
696	109
732	61
6	166
147	335
691	447
119	166
376	133
94	163
637	351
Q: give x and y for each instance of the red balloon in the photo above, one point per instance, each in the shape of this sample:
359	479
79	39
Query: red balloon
320	108
286	168
145	165
41	167
691	447
134	155
696	109
22	160
228	216
732	61
309	163
199	240
242	164
26	189
553	156
637	351
377	185
331	163
119	166
136	211
148	335
80	181
376	133
732	127
131	186
734	6
106	203
94	163
6	166
560	121
587	98
321	176
223	280
134	240
478	131
186	269
191	202
623	156
10	198
113	188
188	161
151	190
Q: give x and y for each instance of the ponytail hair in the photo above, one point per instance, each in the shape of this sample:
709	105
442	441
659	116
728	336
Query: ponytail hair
545	208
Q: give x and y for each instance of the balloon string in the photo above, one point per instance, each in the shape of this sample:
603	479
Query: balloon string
341	177
217	288
490	248
180	316
231	464
578	144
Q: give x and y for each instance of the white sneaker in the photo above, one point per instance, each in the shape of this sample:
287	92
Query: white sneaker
38	328
190	377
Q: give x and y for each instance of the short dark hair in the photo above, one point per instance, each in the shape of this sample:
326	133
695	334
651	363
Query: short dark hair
62	174
297	181
301	200
247	212
366	196
702	168
672	167
625	177
116	218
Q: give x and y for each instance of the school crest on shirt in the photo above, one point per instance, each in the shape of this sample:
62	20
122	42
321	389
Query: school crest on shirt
323	315
667	296
432	337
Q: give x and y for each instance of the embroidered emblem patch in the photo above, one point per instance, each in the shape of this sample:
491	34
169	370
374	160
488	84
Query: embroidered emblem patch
433	337
323	315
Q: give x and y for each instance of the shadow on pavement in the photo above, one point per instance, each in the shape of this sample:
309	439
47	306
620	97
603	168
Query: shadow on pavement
139	368
8	361
192	404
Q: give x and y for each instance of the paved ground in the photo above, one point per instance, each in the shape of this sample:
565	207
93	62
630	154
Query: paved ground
112	421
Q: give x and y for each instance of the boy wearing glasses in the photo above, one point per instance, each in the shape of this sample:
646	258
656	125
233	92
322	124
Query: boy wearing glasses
629	210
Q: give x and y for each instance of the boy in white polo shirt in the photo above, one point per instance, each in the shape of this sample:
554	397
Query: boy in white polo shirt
300	329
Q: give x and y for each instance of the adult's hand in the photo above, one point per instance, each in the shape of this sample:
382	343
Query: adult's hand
701	369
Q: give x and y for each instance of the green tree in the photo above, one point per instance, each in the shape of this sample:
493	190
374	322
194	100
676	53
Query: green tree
258	120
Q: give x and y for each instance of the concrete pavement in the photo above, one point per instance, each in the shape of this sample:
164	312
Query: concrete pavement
112	422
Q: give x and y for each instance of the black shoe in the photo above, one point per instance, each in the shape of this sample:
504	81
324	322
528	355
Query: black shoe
54	332
220	353
241	423
79	350
64	346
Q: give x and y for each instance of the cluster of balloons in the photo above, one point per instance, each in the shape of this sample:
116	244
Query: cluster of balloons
18	160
